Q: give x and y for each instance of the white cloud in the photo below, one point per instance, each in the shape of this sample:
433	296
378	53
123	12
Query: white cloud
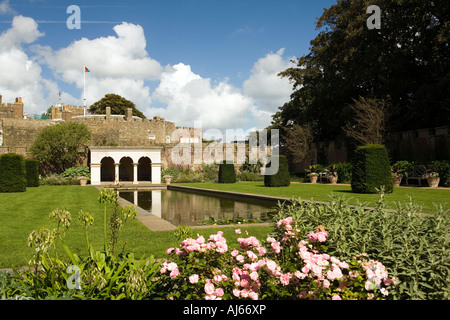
6	8
264	86
189	98
119	64
20	75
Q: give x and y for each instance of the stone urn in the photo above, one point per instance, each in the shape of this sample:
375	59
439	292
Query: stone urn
396	179
333	179
83	181
433	182
313	178
167	179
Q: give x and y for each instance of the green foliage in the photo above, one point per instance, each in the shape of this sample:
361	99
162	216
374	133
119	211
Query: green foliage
227	173
12	173
443	169
344	171
413	247
118	104
183	232
331	74
74	172
371	169
32	172
282	177
54	179
403	167
57	147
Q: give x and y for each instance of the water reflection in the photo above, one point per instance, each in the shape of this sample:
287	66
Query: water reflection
182	208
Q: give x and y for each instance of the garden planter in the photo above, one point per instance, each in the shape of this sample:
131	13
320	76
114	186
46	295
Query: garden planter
167	180
433	182
396	179
332	179
83	182
313	179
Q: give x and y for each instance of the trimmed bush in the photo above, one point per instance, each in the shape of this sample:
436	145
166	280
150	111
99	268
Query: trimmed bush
32	172
282	177
227	174
371	169
12	173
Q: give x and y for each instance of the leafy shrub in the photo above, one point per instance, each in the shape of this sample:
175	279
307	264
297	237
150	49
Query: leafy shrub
413	247
344	171
227	173
74	172
443	169
371	170
32	172
12	173
58	180
404	167
249	176
282	177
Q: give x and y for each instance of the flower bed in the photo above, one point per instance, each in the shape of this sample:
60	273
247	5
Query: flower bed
286	268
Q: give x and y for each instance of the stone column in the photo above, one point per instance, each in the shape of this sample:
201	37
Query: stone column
95	174
116	174
135	173
156	173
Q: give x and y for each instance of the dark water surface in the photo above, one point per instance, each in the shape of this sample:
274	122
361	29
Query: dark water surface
183	208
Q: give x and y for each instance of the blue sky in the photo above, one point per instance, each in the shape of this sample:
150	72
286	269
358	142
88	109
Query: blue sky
206	60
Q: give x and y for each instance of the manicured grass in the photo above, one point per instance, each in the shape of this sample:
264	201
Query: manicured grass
21	213
426	197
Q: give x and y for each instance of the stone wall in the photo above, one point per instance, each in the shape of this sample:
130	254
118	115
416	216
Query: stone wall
11	110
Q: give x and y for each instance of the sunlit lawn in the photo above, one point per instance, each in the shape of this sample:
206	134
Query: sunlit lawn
426	197
21	213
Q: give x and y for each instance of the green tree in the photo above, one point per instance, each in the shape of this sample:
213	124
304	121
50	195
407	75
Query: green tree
406	62
118	104
58	147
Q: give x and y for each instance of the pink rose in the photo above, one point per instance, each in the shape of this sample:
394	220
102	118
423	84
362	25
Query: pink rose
174	273
209	288
238	231
168	251
193	279
336	297
236	292
253	295
285	279
219	292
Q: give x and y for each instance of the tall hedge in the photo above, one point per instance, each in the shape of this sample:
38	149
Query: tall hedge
12	173
371	169
227	174
282	177
32	172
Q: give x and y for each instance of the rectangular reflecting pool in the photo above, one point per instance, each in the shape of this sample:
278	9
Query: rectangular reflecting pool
184	208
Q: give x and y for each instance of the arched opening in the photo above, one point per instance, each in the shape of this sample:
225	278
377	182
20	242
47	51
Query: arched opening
107	169
145	169
126	169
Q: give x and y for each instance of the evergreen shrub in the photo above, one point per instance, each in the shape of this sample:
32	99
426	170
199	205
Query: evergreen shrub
371	169
12	173
282	177
227	174
32	172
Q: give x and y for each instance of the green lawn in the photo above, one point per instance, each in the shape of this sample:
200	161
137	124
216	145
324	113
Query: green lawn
21	213
426	197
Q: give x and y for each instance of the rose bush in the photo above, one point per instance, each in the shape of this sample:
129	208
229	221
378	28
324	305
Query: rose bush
280	267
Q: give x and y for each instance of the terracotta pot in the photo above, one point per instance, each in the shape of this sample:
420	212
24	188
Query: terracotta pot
167	180
433	182
396	179
83	182
332	179
313	179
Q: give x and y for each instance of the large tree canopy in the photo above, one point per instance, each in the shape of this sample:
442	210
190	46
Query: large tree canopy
118	104
57	147
406	62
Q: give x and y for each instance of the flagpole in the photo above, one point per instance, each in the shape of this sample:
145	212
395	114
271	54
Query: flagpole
84	89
